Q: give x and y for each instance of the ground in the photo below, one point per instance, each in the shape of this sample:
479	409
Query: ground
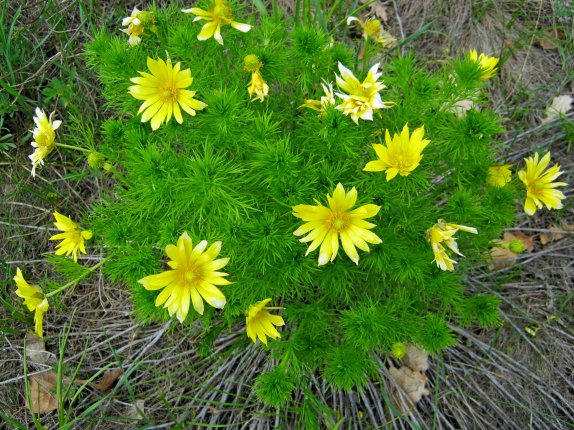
516	376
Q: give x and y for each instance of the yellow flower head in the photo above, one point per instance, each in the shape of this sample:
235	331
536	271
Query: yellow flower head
362	99
402	154
217	15
164	92
539	184
72	237
44	138
374	29
326	225
193	278
34	300
258	87
441	237
261	323
499	176
327	100
486	63
136	24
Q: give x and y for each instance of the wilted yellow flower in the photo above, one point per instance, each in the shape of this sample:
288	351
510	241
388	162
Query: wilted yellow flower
402	154
486	63
258	87
193	278
539	184
499	176
217	15
261	323
164	92
72	238
326	225
373	28
137	23
34	300
362	98
441	236
327	100
44	138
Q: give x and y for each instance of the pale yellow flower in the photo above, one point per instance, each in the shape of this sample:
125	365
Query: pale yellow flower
72	237
486	63
402	154
327	100
373	28
135	28
219	14
164	92
257	88
362	99
499	176
441	237
326	225
34	300
539	184
44	138
193	278
260	323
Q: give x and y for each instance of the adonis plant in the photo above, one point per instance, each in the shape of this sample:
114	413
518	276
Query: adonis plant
327	207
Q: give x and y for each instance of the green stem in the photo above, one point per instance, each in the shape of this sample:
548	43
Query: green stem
78	279
77	148
119	176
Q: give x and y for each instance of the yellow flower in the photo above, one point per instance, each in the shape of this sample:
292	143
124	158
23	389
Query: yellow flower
362	98
164	92
34	299
327	100
441	237
402	154
326	225
73	237
499	176
218	14
258	87
193	276
539	186
486	63
374	29
260	323
44	138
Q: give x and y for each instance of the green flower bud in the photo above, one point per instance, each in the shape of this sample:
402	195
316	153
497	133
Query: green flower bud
108	167
96	160
516	246
399	349
251	63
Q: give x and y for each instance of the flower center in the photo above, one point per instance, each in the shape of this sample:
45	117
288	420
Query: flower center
169	94
337	222
191	275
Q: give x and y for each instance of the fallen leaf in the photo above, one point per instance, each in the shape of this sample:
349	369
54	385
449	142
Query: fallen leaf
549	40
416	359
135	411
36	349
460	108
502	256
107	380
560	105
410	387
556	233
42	385
528	241
379	10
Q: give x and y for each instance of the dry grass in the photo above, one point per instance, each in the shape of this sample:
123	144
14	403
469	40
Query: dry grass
494	379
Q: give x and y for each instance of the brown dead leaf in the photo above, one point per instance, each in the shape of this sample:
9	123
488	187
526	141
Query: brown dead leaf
107	380
42	385
135	411
560	105
549	40
528	241
416	359
379	10
409	388
556	233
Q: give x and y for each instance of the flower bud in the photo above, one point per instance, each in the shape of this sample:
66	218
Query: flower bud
399	349
516	246
96	160
251	63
